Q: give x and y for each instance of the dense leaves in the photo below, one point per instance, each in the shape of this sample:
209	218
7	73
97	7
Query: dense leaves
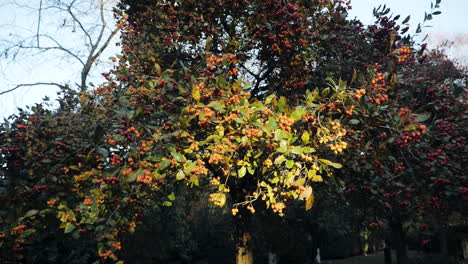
255	102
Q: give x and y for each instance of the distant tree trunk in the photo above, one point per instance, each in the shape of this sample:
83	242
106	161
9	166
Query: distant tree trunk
364	237
399	242
464	246
443	241
387	252
272	258
244	252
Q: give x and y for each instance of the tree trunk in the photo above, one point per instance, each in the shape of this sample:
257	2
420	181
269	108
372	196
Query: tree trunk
443	242
399	243
464	248
387	253
364	237
243	250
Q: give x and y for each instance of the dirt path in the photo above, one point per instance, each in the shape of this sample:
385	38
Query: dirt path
376	258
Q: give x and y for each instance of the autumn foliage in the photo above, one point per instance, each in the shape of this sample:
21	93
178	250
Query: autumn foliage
257	102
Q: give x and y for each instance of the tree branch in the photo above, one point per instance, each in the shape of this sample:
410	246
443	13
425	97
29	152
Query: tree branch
95	52
75	18
31	84
39	23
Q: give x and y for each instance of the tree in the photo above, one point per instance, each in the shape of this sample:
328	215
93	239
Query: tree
215	94
394	182
77	30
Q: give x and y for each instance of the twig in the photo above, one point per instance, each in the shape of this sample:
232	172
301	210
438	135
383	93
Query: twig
31	84
39	23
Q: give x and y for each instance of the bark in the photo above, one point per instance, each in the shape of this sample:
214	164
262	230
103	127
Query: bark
387	253
399	243
443	242
464	246
244	253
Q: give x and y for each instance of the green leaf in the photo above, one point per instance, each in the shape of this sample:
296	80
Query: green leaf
311	173
171	196
289	164
221	82
104	153
325	92
308	150
164	164
134	175
272	125
177	156
217	106
269	98
69	228
298	114
354	121
297	150
311	97
31	213
282	104
280	134
242	171
423	117
167	204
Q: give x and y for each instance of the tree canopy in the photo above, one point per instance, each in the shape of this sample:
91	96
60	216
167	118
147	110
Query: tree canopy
256	102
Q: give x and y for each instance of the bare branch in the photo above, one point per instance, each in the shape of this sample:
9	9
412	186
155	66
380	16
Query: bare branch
93	54
58	47
97	36
39	23
75	18
30	85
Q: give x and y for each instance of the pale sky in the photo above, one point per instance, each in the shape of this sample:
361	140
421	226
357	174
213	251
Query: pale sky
452	24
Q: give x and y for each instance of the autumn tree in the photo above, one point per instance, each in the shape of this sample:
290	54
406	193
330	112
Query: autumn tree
231	95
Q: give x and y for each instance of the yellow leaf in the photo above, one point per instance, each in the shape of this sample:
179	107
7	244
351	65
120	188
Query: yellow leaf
157	68
196	91
317	178
306	193
305	137
309	202
236	87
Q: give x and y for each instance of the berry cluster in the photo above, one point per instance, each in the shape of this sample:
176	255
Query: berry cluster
278	207
251	209
404	54
409	137
378	82
218	199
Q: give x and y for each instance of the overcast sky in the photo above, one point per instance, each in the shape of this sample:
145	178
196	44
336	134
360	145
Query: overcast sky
452	24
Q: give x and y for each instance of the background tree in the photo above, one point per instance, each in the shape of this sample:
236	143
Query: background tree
77	31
